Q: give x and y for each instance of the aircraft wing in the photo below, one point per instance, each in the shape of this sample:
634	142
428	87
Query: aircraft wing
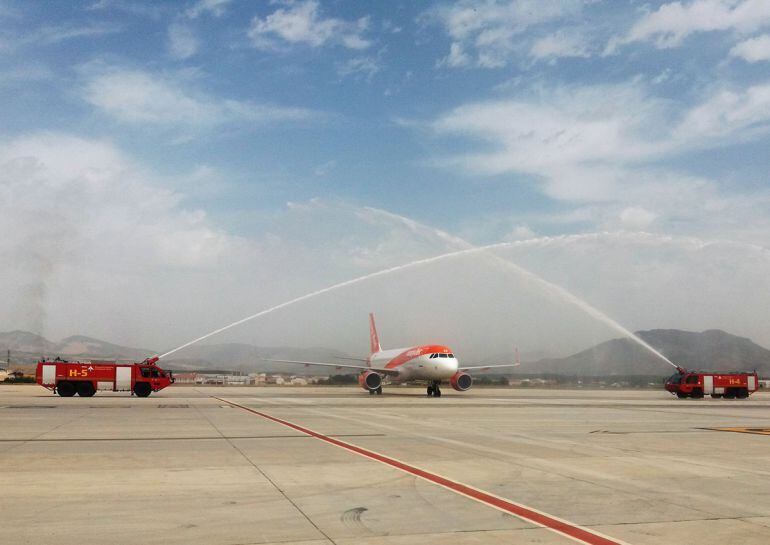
485	367
352	359
381	370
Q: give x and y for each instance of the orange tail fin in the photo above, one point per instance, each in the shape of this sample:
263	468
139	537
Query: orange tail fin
374	339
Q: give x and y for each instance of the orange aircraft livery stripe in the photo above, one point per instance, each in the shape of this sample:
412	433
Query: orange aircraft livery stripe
416	352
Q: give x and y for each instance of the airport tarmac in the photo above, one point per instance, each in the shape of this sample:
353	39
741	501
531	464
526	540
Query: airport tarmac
305	465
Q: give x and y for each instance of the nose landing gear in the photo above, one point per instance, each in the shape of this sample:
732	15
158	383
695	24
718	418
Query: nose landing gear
434	390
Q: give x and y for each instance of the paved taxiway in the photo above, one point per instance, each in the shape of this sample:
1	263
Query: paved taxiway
184	467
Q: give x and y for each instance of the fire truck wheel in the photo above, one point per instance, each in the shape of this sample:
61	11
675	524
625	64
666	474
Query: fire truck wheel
729	393
697	393
142	389
716	396
86	389
65	389
743	393
681	395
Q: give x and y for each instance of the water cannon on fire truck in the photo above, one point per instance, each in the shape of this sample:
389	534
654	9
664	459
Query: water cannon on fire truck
717	384
86	378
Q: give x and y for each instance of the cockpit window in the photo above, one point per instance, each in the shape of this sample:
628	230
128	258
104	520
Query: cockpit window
450	356
432	356
443	356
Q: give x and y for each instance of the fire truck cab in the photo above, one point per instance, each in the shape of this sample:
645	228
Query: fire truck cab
86	378
717	384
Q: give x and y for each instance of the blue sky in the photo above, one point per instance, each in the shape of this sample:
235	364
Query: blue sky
229	126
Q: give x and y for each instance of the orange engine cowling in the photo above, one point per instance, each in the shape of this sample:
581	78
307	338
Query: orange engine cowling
461	381
370	380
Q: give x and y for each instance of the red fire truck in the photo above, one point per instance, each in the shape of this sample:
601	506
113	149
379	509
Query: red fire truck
726	384
86	378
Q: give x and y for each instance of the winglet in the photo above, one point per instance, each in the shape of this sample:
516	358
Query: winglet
374	339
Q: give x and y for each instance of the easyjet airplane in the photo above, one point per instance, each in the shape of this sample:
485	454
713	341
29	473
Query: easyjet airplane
431	364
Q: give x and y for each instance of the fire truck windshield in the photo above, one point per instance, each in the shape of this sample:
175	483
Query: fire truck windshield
676	378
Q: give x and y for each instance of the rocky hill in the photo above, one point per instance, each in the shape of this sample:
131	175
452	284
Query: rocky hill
27	348
712	349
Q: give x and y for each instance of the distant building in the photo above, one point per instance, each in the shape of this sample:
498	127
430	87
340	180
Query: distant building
186	378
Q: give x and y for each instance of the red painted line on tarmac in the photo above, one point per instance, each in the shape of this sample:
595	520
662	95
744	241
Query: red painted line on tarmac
572	531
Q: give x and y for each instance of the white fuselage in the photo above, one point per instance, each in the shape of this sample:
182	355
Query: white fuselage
420	363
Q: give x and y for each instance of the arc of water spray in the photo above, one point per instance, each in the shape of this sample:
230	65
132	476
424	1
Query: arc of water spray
553	288
550	287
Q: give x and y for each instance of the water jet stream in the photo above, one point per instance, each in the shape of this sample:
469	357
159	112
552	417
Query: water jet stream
553	289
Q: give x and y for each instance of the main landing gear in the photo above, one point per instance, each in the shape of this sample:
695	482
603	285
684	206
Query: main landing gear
377	391
434	390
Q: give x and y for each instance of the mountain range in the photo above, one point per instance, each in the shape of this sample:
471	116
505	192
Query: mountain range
708	350
711	349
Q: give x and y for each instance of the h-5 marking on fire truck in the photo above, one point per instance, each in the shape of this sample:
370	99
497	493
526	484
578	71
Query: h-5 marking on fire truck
78	373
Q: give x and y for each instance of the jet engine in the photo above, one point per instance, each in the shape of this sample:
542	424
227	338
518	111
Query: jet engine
370	380
461	381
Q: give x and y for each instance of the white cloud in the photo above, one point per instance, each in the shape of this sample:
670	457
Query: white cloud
671	23
217	8
604	147
54	34
520	232
635	218
365	67
590	134
141	98
153	11
325	168
182	42
753	50
83	219
302	23
489	33
457	57
560	45
742	114
560	129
